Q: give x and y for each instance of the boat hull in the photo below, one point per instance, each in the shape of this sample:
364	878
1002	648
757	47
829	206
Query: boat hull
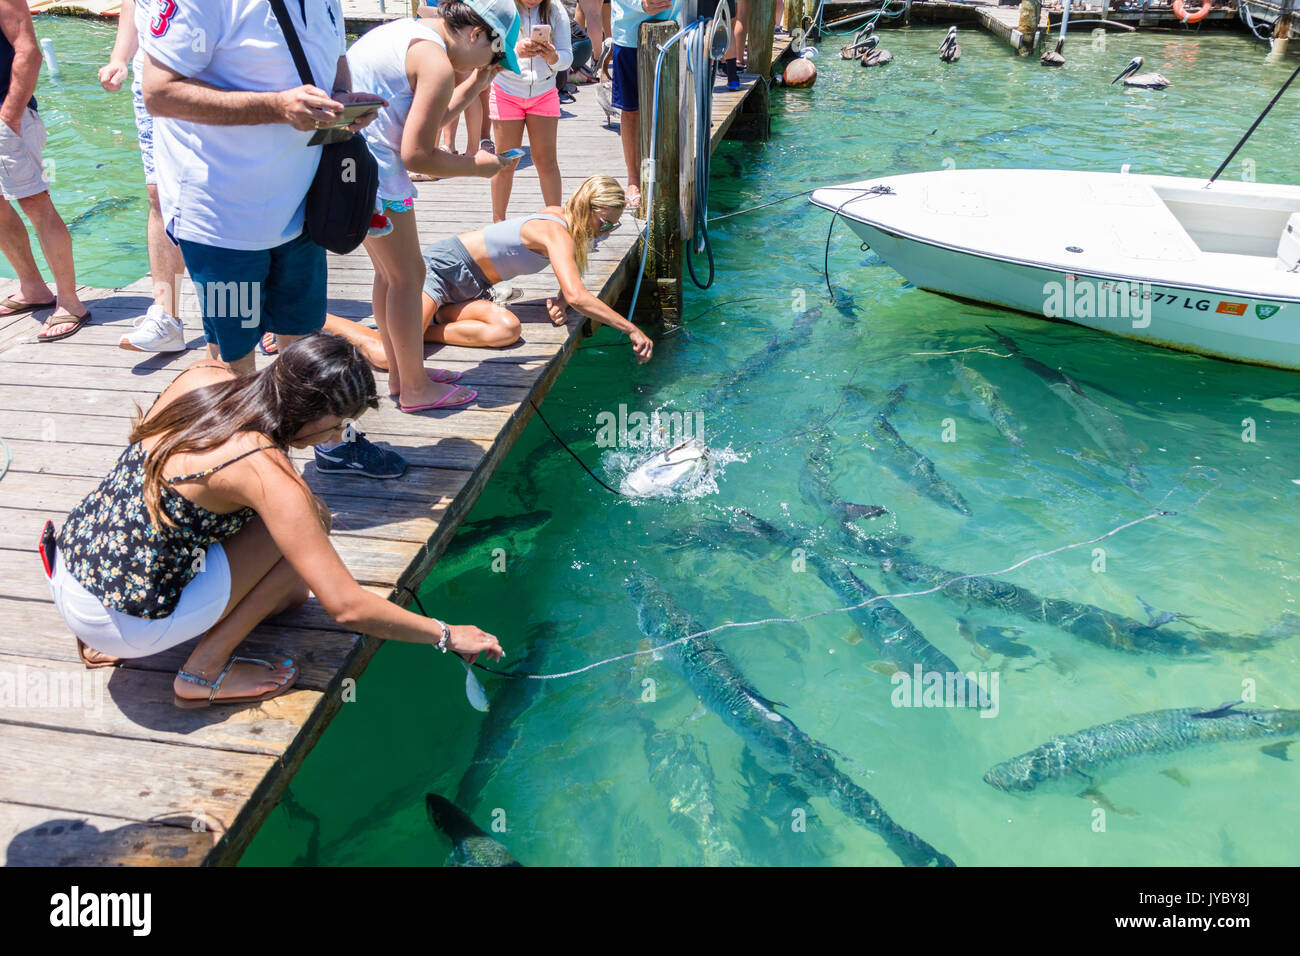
1156	259
1189	320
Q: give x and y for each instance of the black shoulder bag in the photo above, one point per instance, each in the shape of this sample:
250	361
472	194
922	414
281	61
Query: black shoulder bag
341	199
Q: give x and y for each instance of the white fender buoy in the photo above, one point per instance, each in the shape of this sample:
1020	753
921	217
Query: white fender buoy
51	61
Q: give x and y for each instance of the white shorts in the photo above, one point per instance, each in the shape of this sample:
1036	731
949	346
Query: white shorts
203	602
22	172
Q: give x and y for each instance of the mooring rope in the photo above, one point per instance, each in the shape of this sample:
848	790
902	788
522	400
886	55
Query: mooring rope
828	611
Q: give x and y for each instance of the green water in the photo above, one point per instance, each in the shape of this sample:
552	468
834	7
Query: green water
567	766
92	157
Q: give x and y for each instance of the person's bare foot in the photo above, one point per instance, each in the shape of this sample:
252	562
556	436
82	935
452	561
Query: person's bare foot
444	396
244	680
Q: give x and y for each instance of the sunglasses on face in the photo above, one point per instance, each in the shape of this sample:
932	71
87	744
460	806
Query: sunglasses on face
607	227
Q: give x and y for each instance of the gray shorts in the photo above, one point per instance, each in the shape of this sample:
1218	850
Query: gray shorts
22	173
452	275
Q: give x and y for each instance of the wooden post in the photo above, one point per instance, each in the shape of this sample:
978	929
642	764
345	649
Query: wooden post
1281	37
754	121
662	291
1031	12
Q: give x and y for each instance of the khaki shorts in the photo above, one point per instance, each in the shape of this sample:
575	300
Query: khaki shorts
22	173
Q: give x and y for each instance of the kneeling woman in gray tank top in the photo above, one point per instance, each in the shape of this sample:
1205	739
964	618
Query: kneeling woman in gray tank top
461	270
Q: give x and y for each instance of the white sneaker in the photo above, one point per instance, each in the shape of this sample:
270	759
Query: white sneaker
155	331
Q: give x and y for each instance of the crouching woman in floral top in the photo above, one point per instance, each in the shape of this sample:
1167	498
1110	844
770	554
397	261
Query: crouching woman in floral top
204	529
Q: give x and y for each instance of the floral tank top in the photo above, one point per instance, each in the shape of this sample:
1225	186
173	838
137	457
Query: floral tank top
112	549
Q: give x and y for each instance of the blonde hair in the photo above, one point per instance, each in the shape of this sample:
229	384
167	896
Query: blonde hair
595	192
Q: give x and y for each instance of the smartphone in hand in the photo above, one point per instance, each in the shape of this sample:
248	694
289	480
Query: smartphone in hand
541	33
509	154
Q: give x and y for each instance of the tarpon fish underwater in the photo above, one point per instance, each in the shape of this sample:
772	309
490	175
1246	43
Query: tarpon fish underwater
981	391
774	737
470	845
1087	755
1101	425
1091	623
896	639
672	471
904	460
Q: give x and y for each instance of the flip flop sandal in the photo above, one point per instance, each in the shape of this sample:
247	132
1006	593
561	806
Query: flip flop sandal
490	146
262	344
442	402
84	652
76	321
441	376
187	703
633	200
22	308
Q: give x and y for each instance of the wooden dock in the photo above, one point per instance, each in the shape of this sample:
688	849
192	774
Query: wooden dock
98	767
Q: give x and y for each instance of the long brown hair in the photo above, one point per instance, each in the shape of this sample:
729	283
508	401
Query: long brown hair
595	192
316	376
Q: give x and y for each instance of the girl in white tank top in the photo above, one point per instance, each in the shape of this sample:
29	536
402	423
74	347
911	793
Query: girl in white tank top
412	64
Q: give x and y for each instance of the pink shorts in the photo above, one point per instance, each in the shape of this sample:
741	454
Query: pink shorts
503	106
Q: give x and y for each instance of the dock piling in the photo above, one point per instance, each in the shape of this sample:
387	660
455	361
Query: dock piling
663	270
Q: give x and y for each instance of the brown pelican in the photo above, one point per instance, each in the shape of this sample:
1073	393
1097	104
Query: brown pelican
1145	81
873	56
949	51
1054	57
861	42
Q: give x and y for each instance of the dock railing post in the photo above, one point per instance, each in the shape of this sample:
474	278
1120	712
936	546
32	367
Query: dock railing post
663	270
1031	12
1281	37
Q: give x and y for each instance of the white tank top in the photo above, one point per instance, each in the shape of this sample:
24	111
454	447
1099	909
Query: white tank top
378	65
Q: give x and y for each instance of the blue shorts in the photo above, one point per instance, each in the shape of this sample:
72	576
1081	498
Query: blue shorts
244	293
623	72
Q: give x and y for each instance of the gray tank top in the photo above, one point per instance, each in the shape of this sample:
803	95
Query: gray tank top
506	250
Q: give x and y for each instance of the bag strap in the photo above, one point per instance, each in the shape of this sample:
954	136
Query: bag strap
295	45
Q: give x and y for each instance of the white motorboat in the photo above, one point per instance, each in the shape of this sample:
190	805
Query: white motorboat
1160	259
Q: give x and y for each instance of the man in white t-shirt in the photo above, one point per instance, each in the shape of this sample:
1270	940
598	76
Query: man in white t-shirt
230	144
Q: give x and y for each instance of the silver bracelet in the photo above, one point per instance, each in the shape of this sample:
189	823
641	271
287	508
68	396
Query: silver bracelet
446	636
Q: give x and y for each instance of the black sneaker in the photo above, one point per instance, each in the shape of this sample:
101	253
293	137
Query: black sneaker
360	457
567	97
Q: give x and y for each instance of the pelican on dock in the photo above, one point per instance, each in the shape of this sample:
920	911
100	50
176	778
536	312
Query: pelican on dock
1054	57
1143	81
949	51
874	56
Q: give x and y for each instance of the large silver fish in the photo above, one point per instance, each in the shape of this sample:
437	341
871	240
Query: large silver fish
904	460
1102	425
983	393
1086	755
672	471
725	691
470	845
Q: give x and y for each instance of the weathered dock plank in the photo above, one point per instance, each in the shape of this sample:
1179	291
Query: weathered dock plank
120	776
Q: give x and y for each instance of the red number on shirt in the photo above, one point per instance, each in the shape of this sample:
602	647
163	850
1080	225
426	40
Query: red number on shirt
159	24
